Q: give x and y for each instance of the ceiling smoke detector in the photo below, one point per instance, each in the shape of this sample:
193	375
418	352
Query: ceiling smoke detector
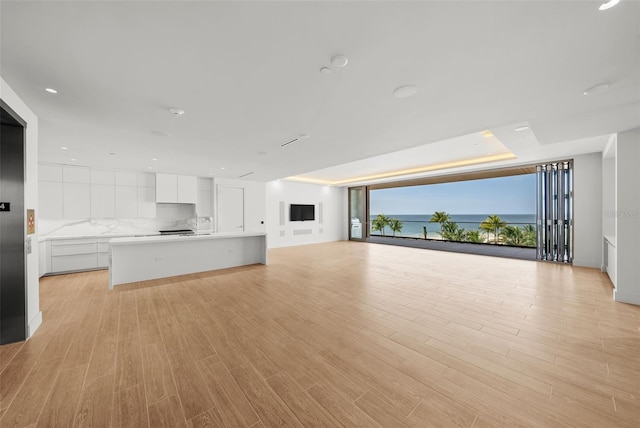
339	61
176	111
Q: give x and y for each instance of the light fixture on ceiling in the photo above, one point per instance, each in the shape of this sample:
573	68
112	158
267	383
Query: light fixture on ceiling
64	148
522	128
149	167
487	134
74	159
608	4
325	70
405	91
176	111
221	167
211	173
597	89
298	138
154	159
339	61
51	90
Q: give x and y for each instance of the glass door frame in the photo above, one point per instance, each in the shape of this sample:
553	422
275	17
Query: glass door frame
364	203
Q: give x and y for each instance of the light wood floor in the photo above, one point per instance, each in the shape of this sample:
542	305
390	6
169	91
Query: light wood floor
349	334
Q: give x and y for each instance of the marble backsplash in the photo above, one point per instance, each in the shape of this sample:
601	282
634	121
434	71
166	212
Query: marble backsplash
167	218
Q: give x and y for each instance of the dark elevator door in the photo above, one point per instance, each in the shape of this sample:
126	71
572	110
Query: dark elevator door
13	323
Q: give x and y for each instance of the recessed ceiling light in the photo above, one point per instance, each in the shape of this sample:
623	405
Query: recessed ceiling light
608	5
176	111
74	159
149	167
487	134
154	159
51	90
64	148
405	91
211	173
522	128
221	167
339	61
325	70
597	89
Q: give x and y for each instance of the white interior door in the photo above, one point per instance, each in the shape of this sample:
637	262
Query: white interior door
230	209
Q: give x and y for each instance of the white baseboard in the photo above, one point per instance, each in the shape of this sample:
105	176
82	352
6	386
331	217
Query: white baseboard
34	324
633	297
587	263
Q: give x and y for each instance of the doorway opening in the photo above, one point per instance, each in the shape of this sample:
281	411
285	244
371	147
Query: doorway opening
13	278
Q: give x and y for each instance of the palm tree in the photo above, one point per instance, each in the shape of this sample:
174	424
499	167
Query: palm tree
473	236
513	235
395	225
530	235
493	224
379	223
452	232
440	217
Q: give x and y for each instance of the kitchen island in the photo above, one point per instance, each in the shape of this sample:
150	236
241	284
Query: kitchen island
152	257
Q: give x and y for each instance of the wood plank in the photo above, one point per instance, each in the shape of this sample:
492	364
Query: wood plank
345	412
167	413
234	408
209	419
303	406
271	410
129	408
192	390
94	407
60	408
158	378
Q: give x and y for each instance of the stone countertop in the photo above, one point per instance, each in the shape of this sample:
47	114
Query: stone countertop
182	238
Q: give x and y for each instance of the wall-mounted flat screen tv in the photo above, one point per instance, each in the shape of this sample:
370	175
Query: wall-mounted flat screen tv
299	212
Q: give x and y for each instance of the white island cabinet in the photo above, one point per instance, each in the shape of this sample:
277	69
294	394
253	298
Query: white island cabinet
145	258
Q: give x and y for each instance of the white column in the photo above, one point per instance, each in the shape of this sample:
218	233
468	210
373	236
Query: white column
627	217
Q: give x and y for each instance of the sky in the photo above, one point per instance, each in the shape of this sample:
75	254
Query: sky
502	195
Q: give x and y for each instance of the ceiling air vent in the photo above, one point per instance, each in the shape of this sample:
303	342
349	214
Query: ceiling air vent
298	138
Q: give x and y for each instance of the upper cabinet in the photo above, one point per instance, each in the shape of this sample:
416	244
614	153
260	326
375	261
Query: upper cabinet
172	188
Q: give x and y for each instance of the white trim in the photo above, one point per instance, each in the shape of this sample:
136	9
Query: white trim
633	298
34	324
587	263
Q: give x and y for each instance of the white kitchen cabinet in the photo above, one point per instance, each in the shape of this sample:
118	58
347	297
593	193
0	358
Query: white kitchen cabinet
73	254
50	201
76	200
146	179
126	179
103	201
44	255
100	176
166	188
76	174
49	173
126	202
171	188
146	202
204	206
187	189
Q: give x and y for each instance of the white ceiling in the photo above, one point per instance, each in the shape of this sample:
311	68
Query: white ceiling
247	75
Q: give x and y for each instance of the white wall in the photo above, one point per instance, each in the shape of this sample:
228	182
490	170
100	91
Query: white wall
34	316
330	221
254	202
587	210
627	217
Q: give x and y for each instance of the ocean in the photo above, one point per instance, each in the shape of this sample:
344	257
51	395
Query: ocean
412	224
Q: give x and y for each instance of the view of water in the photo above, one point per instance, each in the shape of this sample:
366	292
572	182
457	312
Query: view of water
412	225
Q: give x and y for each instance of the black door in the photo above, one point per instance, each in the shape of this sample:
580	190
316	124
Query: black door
13	323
